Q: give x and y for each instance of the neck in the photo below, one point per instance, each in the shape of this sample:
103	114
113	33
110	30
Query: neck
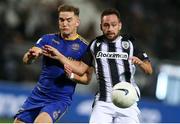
111	40
69	36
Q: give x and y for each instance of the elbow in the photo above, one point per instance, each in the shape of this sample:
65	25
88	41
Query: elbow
149	71
25	62
87	82
84	82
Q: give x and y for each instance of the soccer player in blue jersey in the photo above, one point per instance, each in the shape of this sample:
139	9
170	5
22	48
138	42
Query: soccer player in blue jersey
53	92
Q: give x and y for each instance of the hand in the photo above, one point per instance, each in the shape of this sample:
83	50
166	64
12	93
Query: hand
68	71
136	60
32	53
50	51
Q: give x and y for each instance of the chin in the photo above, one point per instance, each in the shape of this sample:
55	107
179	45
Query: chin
111	38
65	33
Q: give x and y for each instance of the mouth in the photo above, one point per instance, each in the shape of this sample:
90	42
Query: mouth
64	29
110	34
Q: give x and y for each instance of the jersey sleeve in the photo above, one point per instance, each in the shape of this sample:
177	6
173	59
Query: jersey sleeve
88	58
41	42
138	52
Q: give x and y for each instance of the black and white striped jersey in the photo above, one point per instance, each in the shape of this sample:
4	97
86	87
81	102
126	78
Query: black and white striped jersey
111	62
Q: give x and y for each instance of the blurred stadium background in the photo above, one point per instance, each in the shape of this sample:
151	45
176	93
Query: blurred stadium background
154	24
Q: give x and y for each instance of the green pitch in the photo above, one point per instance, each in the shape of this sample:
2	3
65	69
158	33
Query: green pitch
6	120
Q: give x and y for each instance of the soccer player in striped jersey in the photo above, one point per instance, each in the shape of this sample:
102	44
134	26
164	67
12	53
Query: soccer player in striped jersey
114	58
53	92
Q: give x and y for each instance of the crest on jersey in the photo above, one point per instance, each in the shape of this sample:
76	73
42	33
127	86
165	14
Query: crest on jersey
75	46
125	44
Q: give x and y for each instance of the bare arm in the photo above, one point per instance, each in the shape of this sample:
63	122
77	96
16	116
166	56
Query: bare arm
31	55
84	79
144	65
77	66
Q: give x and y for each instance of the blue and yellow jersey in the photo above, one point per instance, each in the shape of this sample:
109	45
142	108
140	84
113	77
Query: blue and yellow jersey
53	85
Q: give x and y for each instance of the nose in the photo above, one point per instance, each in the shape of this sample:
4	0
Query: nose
110	28
63	23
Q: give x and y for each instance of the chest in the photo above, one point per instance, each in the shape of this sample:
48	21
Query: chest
111	51
70	49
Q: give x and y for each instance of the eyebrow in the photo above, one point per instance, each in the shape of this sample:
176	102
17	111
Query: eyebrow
65	18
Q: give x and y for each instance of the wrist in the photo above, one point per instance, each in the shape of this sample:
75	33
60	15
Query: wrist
71	76
141	64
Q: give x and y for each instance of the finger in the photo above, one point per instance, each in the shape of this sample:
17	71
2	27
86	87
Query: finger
49	47
45	54
45	51
68	72
66	65
67	69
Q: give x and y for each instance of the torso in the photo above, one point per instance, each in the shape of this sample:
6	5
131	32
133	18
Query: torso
52	81
112	64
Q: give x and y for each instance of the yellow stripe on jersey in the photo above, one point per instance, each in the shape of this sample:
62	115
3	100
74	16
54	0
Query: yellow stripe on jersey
83	40
72	38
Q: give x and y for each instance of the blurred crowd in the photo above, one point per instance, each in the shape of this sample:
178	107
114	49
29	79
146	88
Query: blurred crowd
154	24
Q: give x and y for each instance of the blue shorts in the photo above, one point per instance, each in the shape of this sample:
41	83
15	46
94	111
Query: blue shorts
55	110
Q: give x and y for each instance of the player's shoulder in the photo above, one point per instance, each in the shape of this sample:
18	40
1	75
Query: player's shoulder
99	38
51	35
128	37
83	40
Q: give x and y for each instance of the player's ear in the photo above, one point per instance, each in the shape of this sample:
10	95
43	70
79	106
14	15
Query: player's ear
120	26
78	22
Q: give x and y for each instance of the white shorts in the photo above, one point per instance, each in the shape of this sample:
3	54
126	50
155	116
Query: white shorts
104	112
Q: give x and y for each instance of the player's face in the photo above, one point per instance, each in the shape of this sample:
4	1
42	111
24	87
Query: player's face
110	26
68	23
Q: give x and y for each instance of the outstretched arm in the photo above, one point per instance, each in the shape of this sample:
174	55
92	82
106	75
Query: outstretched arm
144	65
31	55
84	79
77	66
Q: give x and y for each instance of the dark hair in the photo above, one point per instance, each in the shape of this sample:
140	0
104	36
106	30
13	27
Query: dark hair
110	11
68	8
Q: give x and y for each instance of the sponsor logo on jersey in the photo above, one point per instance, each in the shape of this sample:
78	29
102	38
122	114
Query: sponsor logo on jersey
125	44
112	55
75	46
